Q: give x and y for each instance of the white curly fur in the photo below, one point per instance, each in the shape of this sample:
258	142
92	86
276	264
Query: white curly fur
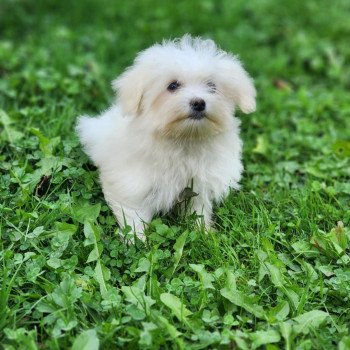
146	146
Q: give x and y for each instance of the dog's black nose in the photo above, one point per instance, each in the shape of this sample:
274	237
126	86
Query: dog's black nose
198	105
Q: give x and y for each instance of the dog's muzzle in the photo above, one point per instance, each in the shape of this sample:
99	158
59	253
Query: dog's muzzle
197	115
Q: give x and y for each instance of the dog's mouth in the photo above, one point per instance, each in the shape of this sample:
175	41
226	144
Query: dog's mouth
193	125
197	115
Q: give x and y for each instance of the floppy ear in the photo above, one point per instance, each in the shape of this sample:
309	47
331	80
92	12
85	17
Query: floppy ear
129	88
241	85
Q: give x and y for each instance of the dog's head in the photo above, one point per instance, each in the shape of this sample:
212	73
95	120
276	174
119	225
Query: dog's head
186	88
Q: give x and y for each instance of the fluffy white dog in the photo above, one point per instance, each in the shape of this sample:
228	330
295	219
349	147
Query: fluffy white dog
172	126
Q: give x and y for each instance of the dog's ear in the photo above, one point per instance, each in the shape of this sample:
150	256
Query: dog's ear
129	88
241	86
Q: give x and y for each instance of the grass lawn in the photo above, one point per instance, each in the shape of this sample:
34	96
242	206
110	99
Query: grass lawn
275	275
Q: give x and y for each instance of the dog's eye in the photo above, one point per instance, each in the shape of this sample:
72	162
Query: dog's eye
212	86
174	85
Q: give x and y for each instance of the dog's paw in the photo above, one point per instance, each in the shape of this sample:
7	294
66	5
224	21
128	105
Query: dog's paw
204	225
141	236
129	238
247	105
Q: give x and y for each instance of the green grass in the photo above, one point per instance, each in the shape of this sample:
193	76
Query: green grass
275	275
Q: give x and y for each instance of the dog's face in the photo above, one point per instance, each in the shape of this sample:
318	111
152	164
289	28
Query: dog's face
185	89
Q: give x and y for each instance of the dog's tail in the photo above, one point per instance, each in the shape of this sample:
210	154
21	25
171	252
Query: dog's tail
87	129
98	135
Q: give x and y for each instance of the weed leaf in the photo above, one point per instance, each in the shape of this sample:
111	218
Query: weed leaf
205	277
178	248
309	321
9	133
87	340
264	337
244	301
176	306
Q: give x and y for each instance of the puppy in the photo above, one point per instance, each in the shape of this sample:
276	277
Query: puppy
171	126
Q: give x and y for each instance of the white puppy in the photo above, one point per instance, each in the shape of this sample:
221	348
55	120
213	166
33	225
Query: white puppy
172	126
